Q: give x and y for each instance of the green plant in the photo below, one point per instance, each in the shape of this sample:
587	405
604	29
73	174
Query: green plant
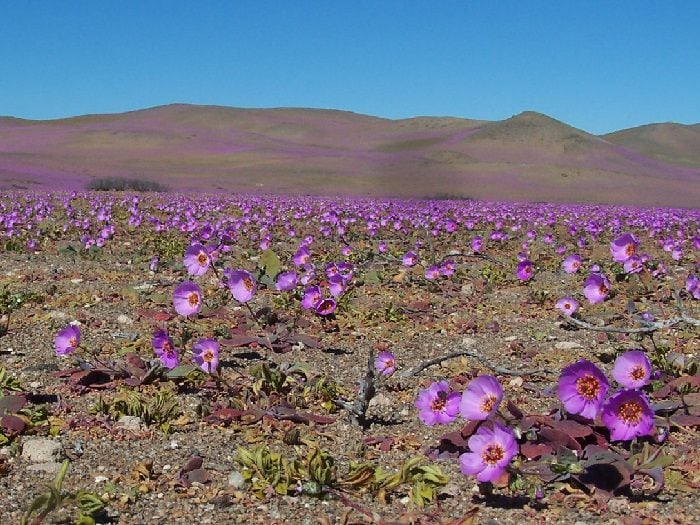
89	504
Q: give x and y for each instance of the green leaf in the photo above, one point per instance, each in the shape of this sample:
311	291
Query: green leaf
271	263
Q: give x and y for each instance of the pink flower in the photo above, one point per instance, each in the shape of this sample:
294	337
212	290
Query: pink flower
491	451
241	284
582	388
632	369
206	355
596	288
385	363
566	305
623	247
197	260
628	415
481	398
525	270
572	263
67	340
436	405
187	299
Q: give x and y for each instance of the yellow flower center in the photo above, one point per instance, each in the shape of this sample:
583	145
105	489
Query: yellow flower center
637	373
202	259
193	299
588	387
493	454
248	283
630	250
630	412
488	402
439	403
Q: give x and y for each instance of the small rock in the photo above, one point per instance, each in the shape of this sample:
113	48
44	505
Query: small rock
35	384
567	345
42	450
101	479
468	341
510	338
58	315
236	480
50	467
77	281
380	400
516	382
132	423
124	319
467	289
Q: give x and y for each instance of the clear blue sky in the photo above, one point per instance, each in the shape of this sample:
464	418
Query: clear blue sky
598	65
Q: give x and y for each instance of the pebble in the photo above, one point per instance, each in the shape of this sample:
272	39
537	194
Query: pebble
380	400
236	480
42	450
124	319
50	467
567	345
35	384
101	479
510	338
133	423
468	341
76	281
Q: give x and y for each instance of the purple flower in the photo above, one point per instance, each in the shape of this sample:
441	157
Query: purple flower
633	265
165	350
432	272
241	284
447	268
312	296
582	388
381	247
572	263
628	415
567	305
490	453
196	260
410	258
336	285
206	355
326	306
187	299
286	281
436	404
596	288
67	340
623	247
477	244
154	264
632	369
692	286
302	256
525	270
385	363
481	398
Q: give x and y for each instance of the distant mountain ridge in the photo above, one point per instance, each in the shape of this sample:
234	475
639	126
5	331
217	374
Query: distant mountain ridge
529	156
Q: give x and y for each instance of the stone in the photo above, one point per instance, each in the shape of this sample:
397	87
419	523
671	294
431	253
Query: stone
468	341
567	345
42	450
380	400
236	480
51	467
124	319
132	423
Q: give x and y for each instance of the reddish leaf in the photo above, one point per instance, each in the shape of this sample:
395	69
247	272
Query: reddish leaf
559	438
572	428
156	315
693	381
309	342
10	404
238	340
535	450
224	416
684	420
514	410
12	424
385	446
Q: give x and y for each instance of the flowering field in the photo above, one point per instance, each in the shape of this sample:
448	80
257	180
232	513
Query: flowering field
172	358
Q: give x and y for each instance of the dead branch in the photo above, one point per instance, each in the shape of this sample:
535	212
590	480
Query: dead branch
468	353
358	408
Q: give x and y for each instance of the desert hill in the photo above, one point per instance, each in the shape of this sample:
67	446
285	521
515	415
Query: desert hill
529	156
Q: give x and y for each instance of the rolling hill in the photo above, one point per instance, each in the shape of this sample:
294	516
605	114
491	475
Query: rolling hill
529	156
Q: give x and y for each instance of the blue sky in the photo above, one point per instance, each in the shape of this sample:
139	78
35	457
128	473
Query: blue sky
597	65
